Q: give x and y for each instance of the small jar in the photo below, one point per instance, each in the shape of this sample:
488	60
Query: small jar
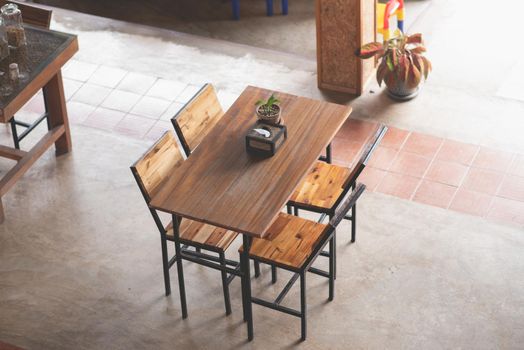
4	47
14	73
12	18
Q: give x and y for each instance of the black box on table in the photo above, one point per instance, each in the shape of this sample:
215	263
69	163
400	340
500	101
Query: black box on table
265	139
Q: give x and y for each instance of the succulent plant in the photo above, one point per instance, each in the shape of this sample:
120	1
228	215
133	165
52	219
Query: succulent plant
402	60
270	106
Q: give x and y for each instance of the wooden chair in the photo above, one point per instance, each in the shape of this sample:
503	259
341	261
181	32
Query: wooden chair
197	118
37	17
293	243
150	171
325	186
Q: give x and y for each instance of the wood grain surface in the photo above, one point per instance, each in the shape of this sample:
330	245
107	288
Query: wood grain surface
221	184
197	118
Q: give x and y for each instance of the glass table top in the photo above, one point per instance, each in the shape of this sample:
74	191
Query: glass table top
43	46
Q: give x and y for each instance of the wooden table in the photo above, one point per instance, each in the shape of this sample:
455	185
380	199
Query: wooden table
45	54
221	184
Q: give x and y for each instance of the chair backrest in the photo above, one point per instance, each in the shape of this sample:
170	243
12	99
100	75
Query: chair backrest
31	14
347	202
340	212
156	164
197	118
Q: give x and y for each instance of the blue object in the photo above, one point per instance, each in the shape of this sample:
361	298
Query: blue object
269	7
236	9
400	25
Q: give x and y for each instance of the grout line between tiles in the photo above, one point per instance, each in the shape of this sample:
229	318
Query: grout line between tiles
426	172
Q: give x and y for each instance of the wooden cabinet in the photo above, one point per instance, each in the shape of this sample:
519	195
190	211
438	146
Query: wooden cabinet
342	27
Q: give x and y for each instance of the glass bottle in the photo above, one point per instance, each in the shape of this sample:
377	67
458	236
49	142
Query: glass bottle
12	18
4	47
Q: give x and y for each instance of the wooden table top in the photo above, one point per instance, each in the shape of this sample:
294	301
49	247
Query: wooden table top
43	56
223	185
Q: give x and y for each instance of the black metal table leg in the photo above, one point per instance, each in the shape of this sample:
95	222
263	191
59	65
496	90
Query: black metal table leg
181	284
242	287
165	265
248	310
273	274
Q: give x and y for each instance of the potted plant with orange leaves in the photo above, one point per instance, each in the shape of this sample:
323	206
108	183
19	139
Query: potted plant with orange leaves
402	65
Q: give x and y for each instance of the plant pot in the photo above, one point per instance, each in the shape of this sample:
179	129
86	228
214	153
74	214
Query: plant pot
400	92
274	119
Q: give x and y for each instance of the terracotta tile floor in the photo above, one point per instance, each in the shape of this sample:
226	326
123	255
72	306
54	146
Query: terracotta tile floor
439	172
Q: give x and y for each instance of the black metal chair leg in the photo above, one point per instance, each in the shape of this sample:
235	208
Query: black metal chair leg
180	269
257	268
331	270
289	211
335	255
353	223
273	274
165	266
303	304
198	250
295	211
15	133
225	285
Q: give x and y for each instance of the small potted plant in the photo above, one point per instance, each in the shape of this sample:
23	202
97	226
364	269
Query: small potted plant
269	110
402	64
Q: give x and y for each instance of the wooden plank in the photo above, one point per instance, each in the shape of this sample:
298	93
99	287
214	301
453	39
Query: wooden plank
221	184
11	153
289	241
56	107
197	117
157	163
321	187
32	156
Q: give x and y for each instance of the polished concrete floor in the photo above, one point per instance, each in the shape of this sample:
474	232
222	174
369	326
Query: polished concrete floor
80	257
80	268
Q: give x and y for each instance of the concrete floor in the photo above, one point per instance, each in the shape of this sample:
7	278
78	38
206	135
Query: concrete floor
294	33
80	268
80	258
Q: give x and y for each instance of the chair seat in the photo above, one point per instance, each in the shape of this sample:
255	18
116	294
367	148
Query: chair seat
206	235
289	241
321	188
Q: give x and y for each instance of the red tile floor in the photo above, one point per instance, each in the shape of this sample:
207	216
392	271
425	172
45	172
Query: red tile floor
440	172
422	168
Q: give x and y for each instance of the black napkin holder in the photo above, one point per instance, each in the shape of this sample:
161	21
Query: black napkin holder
262	146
